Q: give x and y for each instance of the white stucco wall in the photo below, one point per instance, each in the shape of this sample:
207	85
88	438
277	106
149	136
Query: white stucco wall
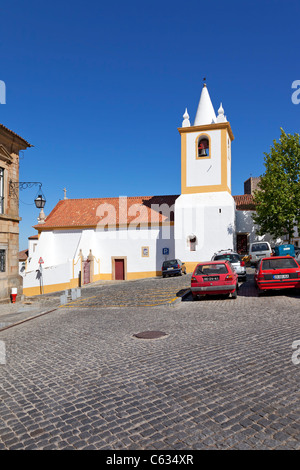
209	216
47	276
60	247
206	171
245	224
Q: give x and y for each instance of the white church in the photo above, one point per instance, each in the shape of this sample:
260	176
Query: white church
86	240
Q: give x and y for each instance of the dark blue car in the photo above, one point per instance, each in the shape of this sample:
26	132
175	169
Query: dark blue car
173	267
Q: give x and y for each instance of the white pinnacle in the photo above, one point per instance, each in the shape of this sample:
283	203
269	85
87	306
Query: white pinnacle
221	117
205	112
186	121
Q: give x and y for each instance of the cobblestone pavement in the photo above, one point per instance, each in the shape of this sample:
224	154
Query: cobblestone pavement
221	378
142	293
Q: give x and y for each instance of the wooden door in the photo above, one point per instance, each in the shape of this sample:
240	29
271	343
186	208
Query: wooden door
242	243
119	270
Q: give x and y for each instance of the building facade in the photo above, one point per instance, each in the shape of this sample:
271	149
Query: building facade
10	146
85	240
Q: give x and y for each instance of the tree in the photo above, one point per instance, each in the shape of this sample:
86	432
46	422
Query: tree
277	198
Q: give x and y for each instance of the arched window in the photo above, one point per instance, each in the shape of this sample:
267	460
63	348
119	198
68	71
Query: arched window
203	147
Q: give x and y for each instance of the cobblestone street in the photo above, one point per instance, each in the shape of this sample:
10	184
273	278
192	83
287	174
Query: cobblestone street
222	377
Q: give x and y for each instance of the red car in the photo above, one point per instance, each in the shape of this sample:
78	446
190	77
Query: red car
214	278
277	272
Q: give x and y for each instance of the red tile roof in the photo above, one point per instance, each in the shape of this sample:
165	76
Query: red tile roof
115	211
110	211
27	144
23	255
245	202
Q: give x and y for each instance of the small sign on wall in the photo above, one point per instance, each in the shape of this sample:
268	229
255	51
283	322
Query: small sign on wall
145	251
165	251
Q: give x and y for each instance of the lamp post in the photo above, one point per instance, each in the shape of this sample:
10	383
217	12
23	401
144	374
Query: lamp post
39	201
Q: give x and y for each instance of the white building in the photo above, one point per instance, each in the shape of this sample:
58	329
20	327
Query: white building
129	238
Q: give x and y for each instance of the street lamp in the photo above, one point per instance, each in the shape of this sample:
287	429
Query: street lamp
40	200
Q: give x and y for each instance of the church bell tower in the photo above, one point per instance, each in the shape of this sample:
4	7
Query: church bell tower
205	210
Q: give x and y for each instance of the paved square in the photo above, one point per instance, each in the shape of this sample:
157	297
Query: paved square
221	378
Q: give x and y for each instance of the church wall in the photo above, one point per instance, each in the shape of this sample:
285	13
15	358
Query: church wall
141	248
62	251
208	216
245	225
199	172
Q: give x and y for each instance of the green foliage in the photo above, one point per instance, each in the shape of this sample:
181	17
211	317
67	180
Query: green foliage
278	196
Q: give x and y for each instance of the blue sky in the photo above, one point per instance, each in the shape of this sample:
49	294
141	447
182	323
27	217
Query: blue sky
99	88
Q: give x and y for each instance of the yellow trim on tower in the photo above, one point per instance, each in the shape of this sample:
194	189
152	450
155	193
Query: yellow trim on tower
223	186
208	127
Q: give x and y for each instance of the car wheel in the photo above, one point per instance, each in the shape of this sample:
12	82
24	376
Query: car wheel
234	294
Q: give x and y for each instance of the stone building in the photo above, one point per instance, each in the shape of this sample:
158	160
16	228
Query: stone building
251	184
10	146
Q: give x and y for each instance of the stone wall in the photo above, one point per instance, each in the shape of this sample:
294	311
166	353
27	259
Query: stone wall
10	145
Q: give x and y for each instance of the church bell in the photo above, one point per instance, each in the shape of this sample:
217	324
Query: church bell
202	152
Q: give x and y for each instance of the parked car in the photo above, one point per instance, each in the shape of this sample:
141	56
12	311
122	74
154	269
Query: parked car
284	250
214	278
277	272
173	267
297	251
259	250
235	260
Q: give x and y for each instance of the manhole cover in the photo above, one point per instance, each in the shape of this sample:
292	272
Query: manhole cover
150	334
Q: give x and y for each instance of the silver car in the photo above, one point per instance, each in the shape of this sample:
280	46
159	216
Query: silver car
235	260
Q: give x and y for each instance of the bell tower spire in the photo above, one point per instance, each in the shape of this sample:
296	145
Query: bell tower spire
205	112
206	149
205	210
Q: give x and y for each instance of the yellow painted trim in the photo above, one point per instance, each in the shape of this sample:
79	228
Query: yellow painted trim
106	277
207	127
32	291
142	275
190	265
210	188
183	164
75	262
209	146
130	276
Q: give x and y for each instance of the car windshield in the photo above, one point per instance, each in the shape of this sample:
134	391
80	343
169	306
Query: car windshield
280	263
171	262
204	269
259	247
230	257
